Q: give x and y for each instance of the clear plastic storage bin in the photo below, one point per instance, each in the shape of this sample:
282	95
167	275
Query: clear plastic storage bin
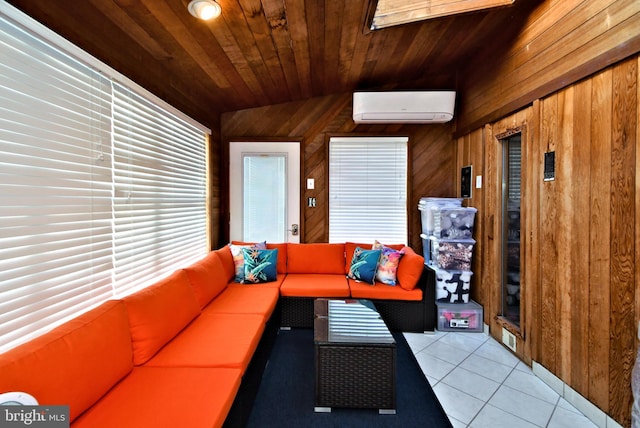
426	249
426	214
453	222
466	317
453	286
452	254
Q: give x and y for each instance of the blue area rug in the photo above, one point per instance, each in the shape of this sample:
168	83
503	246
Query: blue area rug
287	392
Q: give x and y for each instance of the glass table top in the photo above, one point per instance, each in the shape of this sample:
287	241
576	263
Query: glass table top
349	321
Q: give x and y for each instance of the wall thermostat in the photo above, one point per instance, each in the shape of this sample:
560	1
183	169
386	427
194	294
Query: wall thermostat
549	166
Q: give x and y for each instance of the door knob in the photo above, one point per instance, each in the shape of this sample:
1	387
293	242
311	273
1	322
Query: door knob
294	229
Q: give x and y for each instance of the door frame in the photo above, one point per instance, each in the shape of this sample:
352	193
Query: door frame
224	185
492	262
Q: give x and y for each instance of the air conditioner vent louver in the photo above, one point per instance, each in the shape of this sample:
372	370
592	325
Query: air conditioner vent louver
403	107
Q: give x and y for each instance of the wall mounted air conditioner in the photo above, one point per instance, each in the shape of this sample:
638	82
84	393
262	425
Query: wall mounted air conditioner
403	106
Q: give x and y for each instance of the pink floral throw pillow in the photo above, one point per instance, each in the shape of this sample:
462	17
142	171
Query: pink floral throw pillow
388	264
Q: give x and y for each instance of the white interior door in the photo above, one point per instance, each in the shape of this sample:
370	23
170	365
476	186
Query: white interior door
264	188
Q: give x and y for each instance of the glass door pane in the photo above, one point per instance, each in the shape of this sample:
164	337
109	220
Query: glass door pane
264	197
511	202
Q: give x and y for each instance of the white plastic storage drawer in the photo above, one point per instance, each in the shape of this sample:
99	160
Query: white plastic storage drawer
453	286
453	222
452	254
426	213
465	317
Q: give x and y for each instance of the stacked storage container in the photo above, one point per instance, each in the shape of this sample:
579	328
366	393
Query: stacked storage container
447	230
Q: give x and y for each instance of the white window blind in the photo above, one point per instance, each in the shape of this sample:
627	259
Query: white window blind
100	190
160	191
368	189
55	186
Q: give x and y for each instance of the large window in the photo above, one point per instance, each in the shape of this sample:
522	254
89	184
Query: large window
102	191
159	184
368	189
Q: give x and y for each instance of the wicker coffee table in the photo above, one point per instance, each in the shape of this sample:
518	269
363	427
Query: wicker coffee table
355	356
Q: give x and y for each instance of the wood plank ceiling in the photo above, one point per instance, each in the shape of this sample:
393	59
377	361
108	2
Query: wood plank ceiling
264	52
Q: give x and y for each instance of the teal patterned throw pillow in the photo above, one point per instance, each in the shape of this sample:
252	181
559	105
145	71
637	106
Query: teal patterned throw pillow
259	265
364	265
238	257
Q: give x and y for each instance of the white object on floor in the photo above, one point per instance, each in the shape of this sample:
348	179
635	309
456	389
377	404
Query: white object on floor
17	399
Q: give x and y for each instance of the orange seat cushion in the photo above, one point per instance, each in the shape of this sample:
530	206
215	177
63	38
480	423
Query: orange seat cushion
166	398
360	290
74	364
247	299
410	269
315	285
207	278
157	313
271	284
315	258
213	340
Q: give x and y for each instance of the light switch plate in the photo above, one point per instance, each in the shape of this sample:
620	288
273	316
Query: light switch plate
311	183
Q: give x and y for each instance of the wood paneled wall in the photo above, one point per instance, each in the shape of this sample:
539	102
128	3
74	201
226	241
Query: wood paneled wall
313	122
580	234
561	42
214	196
571	76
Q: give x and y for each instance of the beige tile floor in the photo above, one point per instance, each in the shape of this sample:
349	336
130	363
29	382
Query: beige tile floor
481	384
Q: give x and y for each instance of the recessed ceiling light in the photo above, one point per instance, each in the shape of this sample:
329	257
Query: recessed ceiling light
204	9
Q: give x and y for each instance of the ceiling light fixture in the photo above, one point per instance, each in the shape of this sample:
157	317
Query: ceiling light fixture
204	9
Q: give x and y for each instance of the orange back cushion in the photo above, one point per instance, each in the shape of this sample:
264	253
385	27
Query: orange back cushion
227	262
281	267
207	277
315	258
410	269
75	363
157	313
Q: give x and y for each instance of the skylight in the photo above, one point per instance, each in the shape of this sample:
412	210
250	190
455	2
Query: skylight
396	12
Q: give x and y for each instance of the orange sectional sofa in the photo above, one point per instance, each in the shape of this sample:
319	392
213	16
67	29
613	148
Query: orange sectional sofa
190	349
319	270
